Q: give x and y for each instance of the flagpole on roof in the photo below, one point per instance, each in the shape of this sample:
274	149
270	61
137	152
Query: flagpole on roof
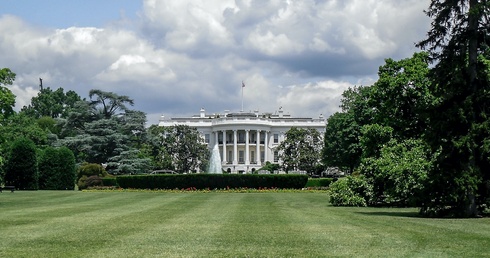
243	86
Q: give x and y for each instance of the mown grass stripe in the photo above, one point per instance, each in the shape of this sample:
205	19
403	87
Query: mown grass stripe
101	219
147	224
191	233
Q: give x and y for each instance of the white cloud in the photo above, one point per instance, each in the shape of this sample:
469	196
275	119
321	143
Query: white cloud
274	45
313	99
183	55
186	24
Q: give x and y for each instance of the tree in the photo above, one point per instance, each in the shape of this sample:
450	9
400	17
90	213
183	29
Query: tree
133	125
130	162
17	126
341	142
401	95
271	167
104	130
374	137
357	101
20	125
107	104
186	148
7	98
301	150
49	103
57	170
154	148
21	168
459	184
99	141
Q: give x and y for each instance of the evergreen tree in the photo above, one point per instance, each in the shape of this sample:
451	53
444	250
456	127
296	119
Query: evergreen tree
459	128
21	169
57	170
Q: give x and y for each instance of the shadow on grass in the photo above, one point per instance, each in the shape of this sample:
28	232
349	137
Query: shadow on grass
410	214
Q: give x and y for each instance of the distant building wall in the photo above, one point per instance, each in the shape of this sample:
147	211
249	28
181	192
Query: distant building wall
245	140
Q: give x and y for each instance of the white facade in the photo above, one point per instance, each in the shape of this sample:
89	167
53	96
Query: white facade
245	140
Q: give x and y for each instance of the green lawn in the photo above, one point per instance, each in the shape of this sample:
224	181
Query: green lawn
147	224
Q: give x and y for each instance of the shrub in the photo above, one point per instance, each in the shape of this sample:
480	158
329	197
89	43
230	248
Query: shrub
212	181
57	169
109	181
93	181
399	174
21	168
350	191
91	169
319	182
87	170
81	182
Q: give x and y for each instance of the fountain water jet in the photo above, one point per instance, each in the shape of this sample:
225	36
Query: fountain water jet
215	162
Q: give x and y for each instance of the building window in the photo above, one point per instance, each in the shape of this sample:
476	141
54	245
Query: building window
276	138
206	138
262	138
230	156
241	137
240	156
276	156
253	157
220	138
262	156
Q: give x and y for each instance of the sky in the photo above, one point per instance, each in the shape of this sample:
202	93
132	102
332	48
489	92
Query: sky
174	57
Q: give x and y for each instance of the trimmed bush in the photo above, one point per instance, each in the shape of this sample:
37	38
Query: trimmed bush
320	182
109	181
57	169
212	181
21	168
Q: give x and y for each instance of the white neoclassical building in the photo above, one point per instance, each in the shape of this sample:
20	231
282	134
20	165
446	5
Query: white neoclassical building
246	140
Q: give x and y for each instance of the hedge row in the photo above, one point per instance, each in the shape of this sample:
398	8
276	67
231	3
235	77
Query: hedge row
212	181
320	182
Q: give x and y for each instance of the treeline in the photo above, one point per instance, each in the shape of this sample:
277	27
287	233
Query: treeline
60	128
420	136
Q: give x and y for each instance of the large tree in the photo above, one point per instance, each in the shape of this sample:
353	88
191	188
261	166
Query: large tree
342	147
186	148
401	95
7	98
459	122
49	103
105	130
154	147
301	150
108	104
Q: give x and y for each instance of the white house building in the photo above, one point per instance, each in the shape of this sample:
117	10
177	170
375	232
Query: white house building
246	140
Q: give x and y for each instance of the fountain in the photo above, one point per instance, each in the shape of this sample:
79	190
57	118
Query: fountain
215	162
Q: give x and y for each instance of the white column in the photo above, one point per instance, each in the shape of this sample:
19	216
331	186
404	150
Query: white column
216	138
224	147
266	148
247	147
235	148
257	150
